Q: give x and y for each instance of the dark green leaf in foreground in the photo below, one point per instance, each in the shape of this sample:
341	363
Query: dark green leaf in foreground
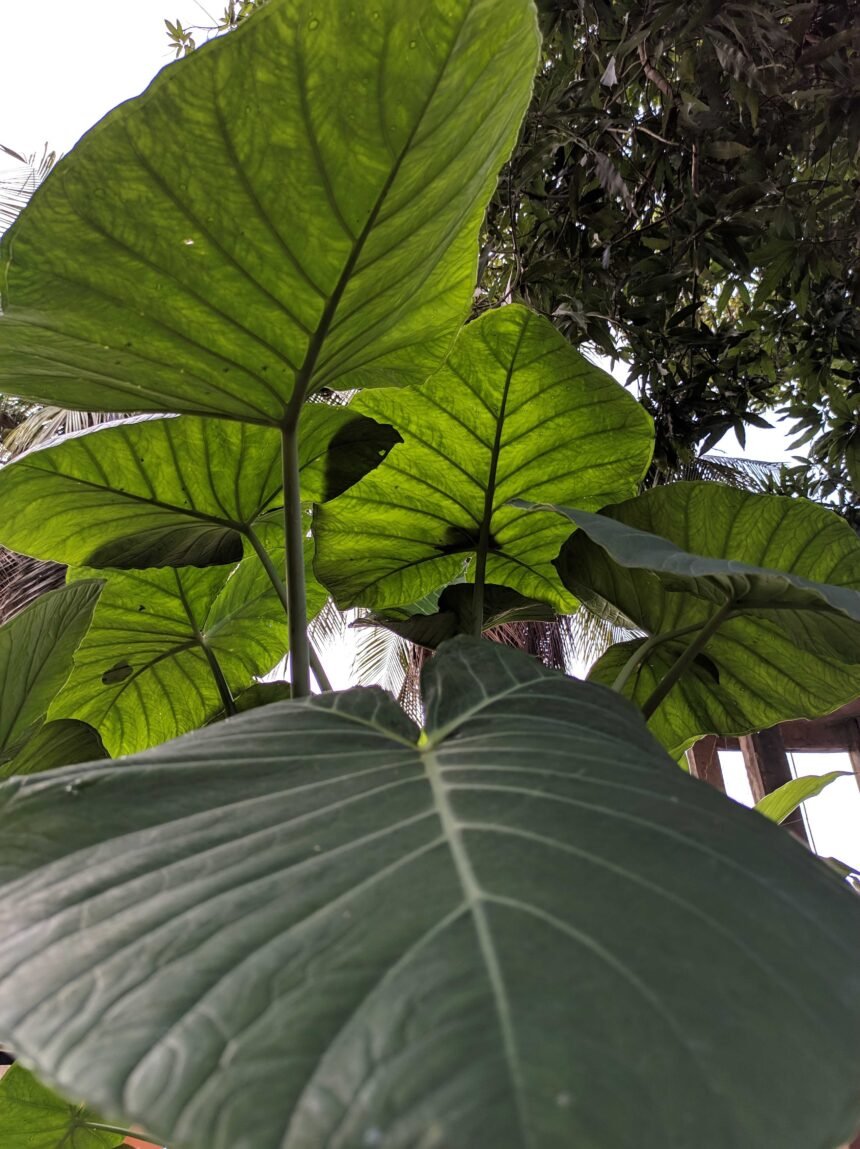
36	650
143	674
173	492
527	930
786	798
515	412
455	615
298	201
790	570
65	742
32	1117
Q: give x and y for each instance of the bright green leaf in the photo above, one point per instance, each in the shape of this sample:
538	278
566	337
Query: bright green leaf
62	743
173	492
36	649
298	201
497	935
32	1117
142	675
786	798
515	412
791	570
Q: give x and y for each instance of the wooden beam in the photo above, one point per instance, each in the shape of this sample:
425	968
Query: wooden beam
768	769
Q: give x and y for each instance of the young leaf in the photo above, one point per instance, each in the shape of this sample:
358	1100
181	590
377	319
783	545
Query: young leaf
293	206
515	412
173	492
789	571
786	798
36	650
495	935
144	673
32	1117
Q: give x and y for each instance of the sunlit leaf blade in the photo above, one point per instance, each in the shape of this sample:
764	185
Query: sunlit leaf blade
515	412
32	1117
143	675
791	646
36	649
456	615
786	798
496	936
173	492
300	200
62	743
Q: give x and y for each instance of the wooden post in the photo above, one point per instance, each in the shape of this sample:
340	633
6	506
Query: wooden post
767	769
704	761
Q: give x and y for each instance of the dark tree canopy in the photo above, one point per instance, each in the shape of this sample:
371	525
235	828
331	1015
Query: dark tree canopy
685	197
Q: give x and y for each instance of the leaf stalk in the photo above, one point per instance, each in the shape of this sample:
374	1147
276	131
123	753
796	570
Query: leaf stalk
684	660
294	545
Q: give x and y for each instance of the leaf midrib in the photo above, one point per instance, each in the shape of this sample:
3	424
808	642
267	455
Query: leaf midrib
475	898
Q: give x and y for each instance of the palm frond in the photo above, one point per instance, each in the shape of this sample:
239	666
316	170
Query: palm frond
23	580
41	425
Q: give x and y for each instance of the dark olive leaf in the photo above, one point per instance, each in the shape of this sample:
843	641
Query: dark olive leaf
173	492
65	742
497	934
297	204
787	571
515	412
456	614
32	1117
36	650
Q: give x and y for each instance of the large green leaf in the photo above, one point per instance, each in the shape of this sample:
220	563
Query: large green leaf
143	674
36	650
515	412
526	930
790	569
173	492
32	1117
298	201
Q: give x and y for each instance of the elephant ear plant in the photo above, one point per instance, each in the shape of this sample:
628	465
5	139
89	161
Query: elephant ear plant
313	924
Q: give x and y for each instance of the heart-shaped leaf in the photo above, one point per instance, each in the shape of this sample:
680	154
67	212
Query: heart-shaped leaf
296	205
173	492
455	615
36	650
515	412
786	571
145	671
527	928
32	1117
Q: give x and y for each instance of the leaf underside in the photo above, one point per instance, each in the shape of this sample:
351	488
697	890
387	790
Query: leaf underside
297	203
515	412
792	646
498	935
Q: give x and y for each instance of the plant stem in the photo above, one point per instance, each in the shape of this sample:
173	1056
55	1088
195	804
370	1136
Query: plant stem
641	653
120	1132
294	543
278	583
218	674
684	660
489	499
